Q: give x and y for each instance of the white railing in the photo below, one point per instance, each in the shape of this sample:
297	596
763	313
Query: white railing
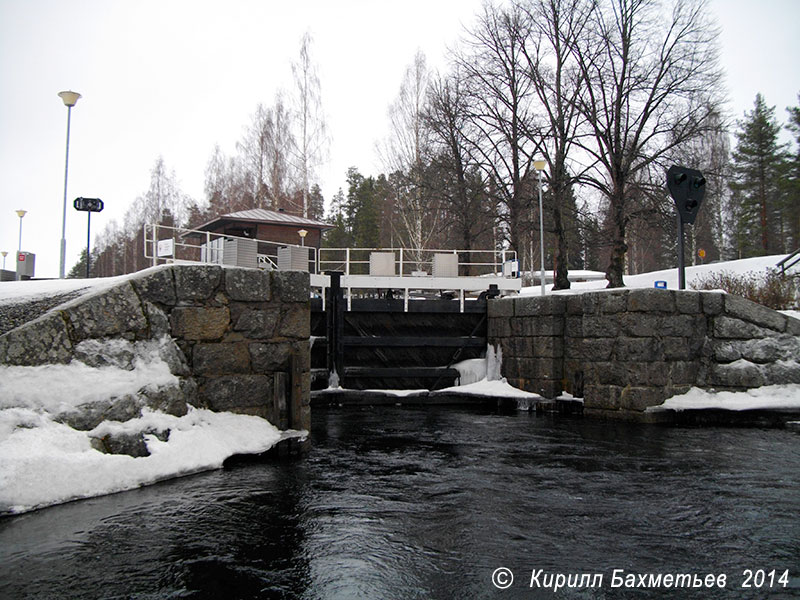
163	243
413	263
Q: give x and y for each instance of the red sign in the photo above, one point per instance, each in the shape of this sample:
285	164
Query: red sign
21	258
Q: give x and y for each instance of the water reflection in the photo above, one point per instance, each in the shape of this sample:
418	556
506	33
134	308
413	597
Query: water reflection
411	503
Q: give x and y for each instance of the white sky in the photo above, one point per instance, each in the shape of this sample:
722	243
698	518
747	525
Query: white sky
176	77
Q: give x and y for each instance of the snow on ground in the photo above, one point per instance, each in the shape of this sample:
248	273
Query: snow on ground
693	273
768	397
45	462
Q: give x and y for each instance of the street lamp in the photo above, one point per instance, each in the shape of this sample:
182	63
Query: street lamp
4	253
20	214
302	233
540	165
70	99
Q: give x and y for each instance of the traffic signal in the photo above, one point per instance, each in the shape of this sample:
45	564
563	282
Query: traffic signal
88	204
687	188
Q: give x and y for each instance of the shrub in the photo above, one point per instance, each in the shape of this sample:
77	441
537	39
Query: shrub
769	289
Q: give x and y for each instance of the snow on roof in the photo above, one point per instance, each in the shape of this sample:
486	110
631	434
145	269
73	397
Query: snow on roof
261	215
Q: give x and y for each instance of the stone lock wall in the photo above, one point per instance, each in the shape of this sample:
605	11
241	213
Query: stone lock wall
623	351
237	338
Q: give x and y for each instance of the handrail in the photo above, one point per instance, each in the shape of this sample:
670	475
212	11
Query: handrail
782	264
184	250
411	261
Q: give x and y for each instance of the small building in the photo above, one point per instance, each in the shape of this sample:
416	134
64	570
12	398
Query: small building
274	226
279	239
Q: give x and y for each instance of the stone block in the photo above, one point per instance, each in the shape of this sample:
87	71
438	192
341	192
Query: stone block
601	397
42	341
732	328
156	285
682	325
116	312
640	324
236	393
651	300
547	347
792	325
248	285
295	321
267	358
598	349
639	398
212	360
258	324
612	302
739	374
527	306
291	286
738	307
196	282
499	327
638	349
684	373
199	323
157	320
688	302
676	348
712	302
600	326
782	372
501	307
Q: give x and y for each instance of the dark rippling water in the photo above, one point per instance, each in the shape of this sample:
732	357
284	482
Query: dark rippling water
428	503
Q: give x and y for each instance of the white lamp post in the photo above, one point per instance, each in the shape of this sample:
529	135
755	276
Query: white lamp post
70	99
4	253
302	233
20	214
540	165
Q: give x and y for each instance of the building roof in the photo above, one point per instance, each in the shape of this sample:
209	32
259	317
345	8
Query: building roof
260	215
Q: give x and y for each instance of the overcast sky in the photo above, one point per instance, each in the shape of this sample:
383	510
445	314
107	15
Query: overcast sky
173	78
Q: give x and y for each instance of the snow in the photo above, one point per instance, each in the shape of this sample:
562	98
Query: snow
647	280
772	397
45	462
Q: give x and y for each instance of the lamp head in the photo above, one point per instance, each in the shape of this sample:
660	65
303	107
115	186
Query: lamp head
69	98
21	213
302	233
540	165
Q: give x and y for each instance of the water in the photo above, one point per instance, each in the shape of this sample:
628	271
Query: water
428	503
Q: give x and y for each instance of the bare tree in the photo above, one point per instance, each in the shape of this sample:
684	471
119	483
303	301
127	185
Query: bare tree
265	152
501	94
557	80
458	183
406	153
312	138
651	79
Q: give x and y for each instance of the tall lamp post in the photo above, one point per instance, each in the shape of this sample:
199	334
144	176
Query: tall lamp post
70	99
20	214
4	253
540	165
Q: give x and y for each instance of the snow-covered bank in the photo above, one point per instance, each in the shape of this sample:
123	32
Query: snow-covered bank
756	265
768	397
44	461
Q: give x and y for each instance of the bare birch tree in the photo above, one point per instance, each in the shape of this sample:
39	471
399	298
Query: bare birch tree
312	137
406	152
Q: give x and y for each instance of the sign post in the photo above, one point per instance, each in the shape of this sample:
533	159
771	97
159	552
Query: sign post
88	205
687	188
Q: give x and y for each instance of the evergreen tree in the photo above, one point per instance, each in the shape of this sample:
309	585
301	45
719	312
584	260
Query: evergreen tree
792	180
759	160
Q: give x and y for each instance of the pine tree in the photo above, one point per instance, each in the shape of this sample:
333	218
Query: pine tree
792	180
759	160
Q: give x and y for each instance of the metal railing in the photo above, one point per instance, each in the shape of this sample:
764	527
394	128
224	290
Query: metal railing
414	263
163	243
788	262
